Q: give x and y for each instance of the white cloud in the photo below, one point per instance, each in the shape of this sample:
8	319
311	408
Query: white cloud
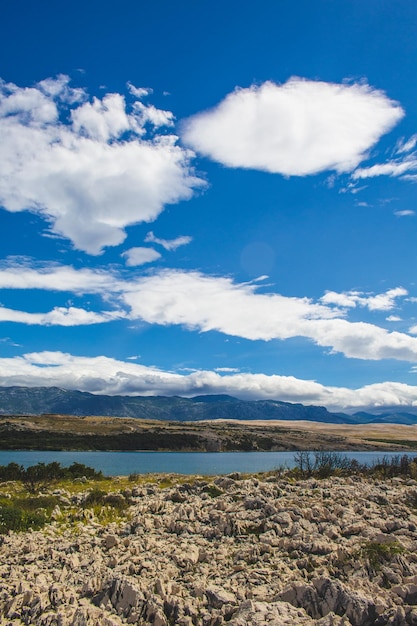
152	115
169	244
299	128
109	376
139	92
93	175
393	318
18	275
404	213
204	303
347	299
380	302
140	256
407	146
59	316
391	168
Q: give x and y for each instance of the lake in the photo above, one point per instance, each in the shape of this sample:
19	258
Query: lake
203	463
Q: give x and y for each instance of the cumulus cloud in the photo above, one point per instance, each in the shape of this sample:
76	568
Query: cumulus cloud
169	244
90	167
379	302
140	256
404	213
104	375
209	303
301	127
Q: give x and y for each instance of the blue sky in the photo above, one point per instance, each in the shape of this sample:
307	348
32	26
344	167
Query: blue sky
210	197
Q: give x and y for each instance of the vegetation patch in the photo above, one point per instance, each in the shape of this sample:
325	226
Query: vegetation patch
323	464
213	491
378	553
41	475
22	514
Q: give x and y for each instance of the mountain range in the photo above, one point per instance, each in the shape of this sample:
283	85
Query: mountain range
53	400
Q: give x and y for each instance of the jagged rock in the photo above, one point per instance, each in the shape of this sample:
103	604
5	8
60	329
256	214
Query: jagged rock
267	552
110	541
325	596
252	613
124	596
217	597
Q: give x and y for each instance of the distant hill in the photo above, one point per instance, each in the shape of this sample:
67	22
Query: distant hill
44	400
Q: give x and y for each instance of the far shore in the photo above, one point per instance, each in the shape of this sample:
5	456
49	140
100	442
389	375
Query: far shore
66	432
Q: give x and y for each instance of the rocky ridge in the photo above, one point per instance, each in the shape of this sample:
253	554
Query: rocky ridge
243	551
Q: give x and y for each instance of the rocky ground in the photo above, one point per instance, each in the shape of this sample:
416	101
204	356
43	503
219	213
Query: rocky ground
260	550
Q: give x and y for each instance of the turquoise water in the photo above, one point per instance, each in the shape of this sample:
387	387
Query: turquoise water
206	463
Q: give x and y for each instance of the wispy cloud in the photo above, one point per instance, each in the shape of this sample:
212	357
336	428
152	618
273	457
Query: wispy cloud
169	244
408	145
103	168
109	376
301	127
396	168
403	164
404	213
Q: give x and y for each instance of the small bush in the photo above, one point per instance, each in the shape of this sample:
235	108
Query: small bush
13	518
96	496
99	498
397	465
213	491
22	514
79	470
12	471
48	503
379	553
322	464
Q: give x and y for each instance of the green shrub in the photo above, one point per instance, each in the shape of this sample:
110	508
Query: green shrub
322	464
213	491
99	498
12	471
396	465
20	514
379	553
39	476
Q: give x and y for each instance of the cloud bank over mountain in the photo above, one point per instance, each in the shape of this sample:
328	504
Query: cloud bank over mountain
104	375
